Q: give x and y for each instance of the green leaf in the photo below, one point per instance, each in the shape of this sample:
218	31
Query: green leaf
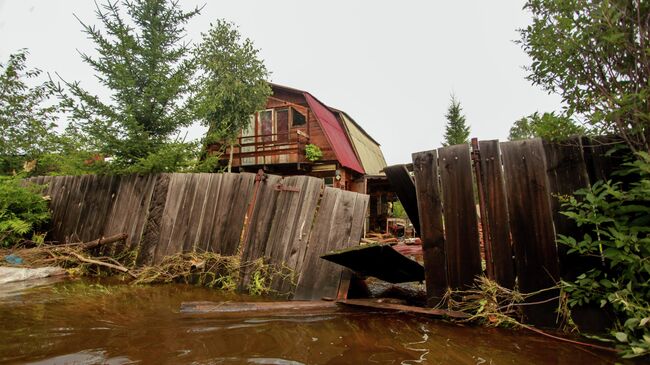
621	336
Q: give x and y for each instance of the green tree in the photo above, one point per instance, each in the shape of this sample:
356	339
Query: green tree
232	83
144	61
27	118
456	130
548	126
596	56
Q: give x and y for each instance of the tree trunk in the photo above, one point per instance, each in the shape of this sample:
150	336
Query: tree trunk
230	159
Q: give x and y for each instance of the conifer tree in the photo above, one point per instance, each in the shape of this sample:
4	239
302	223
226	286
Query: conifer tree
456	130
145	63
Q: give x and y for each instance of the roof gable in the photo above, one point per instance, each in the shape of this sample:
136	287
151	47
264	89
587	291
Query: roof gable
335	134
366	148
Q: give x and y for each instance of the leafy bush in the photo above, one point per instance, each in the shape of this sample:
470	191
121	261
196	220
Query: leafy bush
313	152
22	210
617	218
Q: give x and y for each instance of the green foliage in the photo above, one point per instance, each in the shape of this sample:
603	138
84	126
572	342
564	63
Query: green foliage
313	152
170	157
548	126
25	119
232	82
456	130
595	55
398	210
22	210
617	218
143	61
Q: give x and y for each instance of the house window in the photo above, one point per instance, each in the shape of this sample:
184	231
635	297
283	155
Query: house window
297	120
266	125
329	181
282	124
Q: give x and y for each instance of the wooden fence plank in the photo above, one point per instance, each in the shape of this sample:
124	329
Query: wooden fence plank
401	181
85	207
531	224
211	204
173	204
425	168
460	217
319	244
117	218
501	267
225	201
258	226
334	228
234	196
153	225
600	165
197	213
179	240
74	198
287	243
143	195
108	186
567	172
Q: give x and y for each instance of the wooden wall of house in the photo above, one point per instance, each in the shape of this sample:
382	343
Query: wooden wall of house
283	99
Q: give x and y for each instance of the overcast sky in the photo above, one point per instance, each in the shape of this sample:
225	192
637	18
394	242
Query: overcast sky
391	65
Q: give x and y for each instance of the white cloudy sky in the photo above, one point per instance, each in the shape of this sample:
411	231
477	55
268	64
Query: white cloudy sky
391	65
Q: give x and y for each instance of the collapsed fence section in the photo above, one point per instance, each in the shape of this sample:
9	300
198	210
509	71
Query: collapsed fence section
286	222
499	201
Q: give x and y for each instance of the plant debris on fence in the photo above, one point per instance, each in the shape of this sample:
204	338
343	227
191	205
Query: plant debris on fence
200	268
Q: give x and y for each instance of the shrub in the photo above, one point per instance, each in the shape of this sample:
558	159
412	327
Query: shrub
22	210
617	219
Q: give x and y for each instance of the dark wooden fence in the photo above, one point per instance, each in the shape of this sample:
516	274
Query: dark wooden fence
288	221
510	190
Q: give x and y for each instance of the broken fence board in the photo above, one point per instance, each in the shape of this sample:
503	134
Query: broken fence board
334	228
425	168
501	267
460	217
402	183
378	260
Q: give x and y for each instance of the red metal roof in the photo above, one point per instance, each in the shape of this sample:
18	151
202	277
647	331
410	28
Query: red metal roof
335	134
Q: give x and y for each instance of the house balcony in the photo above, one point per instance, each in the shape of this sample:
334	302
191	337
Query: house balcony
268	149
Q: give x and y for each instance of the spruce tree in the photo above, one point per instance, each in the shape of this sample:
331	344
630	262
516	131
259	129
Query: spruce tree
145	63
456	130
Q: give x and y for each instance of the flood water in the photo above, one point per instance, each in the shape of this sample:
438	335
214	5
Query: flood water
91	322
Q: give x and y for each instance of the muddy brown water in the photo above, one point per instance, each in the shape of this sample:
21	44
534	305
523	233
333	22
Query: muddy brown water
98	322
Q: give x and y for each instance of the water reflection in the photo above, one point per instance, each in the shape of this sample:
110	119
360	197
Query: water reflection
85	322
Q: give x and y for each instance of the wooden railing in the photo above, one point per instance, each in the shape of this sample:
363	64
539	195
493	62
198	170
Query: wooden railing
261	145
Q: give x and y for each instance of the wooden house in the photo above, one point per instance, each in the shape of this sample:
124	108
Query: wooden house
277	137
